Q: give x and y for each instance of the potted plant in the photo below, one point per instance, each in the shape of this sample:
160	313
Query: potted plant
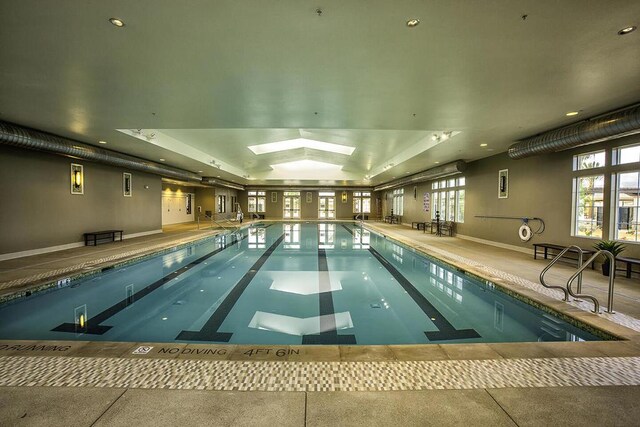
611	246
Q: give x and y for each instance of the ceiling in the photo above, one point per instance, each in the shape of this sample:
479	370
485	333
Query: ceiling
210	78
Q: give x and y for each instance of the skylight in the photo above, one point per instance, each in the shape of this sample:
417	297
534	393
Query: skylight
292	144
306	165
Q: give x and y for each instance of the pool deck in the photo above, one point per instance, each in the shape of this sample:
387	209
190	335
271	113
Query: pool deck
101	383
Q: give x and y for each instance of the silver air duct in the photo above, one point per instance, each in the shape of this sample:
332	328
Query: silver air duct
21	137
452	168
602	128
221	183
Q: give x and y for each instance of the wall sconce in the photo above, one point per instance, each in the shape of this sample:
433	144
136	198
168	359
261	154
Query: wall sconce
77	179
126	184
344	197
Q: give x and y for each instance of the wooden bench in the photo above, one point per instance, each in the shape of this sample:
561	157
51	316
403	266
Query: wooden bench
101	236
546	247
629	263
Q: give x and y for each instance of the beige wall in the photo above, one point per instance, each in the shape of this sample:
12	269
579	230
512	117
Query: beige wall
39	211
539	186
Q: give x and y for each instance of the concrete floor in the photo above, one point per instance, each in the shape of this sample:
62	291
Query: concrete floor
541	406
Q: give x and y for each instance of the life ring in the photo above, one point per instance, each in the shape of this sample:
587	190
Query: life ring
525	232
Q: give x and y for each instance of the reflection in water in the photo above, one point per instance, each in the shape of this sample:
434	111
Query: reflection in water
257	238
326	236
447	282
291	236
361	238
296	326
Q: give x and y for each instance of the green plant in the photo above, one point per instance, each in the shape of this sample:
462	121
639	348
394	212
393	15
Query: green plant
610	245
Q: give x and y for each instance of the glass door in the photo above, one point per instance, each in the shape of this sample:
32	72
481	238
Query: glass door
326	205
291	205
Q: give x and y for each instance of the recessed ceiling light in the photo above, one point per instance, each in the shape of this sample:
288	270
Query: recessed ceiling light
199	171
412	23
102	142
162	160
572	113
117	22
436	162
217	176
627	30
483	145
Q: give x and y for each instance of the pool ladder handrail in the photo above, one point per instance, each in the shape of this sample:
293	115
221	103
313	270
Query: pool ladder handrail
612	273
553	261
218	223
361	219
578	274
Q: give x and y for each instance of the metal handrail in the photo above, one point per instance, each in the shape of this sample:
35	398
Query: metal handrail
612	271
218	223
205	216
361	219
553	261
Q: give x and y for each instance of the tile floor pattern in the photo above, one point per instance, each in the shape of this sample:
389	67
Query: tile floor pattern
317	376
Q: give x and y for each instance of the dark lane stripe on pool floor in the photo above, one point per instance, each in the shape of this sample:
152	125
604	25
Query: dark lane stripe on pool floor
327	312
92	325
446	331
209	331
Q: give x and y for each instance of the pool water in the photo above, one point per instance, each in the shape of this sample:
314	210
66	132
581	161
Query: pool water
284	283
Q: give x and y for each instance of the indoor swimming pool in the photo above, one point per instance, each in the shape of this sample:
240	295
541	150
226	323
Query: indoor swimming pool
284	283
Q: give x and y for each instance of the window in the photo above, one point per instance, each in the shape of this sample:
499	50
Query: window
588	197
449	201
257	201
628	154
291	204
326	205
628	203
361	202
234	204
398	201
591	160
222	204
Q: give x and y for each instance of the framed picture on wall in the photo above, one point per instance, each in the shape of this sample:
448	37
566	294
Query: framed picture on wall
77	179
274	197
126	184
309	197
503	184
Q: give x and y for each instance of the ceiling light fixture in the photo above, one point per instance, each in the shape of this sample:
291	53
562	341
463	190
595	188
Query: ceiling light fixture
102	142
483	145
162	160
117	22
627	30
412	23
572	113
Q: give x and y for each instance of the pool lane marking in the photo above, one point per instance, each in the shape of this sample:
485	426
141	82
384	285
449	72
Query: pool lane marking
93	325
446	331
209	331
327	311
